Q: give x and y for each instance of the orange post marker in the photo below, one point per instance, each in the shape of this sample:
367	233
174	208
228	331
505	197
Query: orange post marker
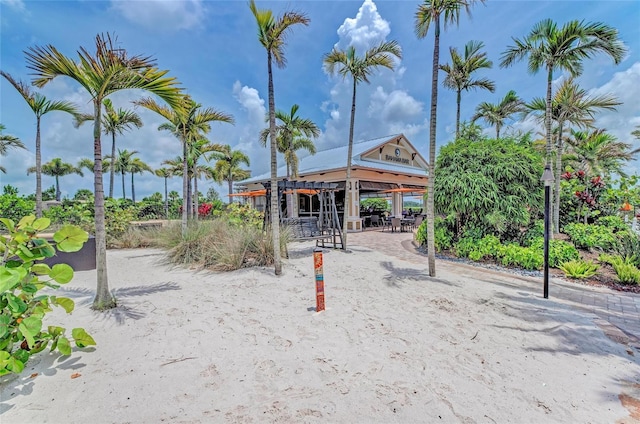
317	266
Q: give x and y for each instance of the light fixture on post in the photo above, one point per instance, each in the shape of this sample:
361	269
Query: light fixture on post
547	179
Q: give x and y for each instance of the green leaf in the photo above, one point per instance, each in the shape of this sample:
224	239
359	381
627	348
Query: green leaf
9	224
64	347
30	327
41	269
5	320
61	273
26	221
14	365
42	248
55	331
70	238
29	288
41	223
82	338
66	303
10	277
22	355
16	305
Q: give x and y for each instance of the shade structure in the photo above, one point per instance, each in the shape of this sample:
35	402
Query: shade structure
303	191
254	193
404	190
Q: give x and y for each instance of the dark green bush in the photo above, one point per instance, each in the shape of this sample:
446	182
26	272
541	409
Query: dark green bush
613	222
535	231
443	234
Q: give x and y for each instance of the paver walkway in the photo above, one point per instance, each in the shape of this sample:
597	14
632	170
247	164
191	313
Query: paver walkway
621	310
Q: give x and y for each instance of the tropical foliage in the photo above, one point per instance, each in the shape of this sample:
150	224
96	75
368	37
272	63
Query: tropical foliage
8	142
57	168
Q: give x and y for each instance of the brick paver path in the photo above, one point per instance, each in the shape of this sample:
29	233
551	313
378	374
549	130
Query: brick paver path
621	310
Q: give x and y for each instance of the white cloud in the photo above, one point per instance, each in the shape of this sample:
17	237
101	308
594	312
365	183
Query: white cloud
397	106
17	5
162	15
364	31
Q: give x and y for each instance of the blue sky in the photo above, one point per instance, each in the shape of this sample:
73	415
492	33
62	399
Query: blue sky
212	48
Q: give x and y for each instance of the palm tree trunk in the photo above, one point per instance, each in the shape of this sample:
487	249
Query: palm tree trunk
275	198
185	184
124	195
230	182
103	299
57	188
458	99
38	170
112	165
556	203
133	189
347	182
195	196
189	199
498	126
431	247
166	199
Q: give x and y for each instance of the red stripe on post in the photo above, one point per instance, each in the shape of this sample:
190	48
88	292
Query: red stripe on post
317	267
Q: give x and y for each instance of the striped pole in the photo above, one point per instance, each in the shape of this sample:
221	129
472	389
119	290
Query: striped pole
317	266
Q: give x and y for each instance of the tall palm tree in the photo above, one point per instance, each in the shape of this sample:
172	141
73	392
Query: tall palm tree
573	105
8	142
551	48
40	107
57	168
188	123
228	166
165	173
359	68
272	34
459	73
114	122
428	13
497	113
109	70
598	153
137	166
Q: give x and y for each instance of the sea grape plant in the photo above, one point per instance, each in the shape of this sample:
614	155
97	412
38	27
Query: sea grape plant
23	305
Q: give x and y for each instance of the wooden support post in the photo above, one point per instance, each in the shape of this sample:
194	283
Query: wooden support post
317	266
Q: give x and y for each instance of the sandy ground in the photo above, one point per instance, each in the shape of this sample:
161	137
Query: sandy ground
392	346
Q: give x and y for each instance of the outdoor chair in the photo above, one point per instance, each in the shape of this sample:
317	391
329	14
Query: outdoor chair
375	220
396	223
418	221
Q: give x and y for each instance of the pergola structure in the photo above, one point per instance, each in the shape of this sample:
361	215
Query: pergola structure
387	166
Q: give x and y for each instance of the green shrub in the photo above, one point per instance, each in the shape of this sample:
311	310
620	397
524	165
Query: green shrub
22	303
237	214
560	251
533	233
613	222
76	213
464	247
588	236
628	245
443	235
523	257
627	273
14	207
579	269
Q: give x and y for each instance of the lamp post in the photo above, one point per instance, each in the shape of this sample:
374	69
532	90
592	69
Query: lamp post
547	179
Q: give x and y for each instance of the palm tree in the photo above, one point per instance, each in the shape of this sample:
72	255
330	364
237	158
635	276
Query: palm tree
348	63
137	166
40	107
108	71
497	114
114	122
563	48
227	167
598	153
187	123
571	104
165	173
196	150
56	168
272	33
428	13
459	73
122	165
8	142
293	133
